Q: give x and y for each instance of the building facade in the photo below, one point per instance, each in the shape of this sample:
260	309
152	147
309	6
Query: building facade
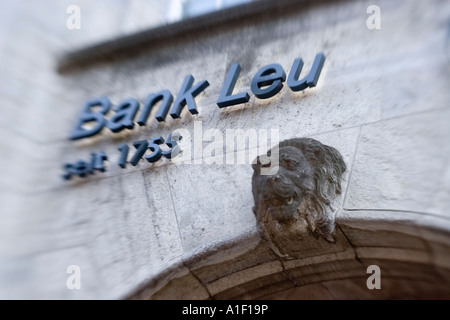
142	225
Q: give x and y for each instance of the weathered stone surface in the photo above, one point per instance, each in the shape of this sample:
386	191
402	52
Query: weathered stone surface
407	158
43	276
264	289
325	271
244	276
224	262
187	287
381	229
395	254
381	99
399	98
211	202
348	254
307	292
127	246
356	289
145	291
311	246
353	288
435	231
278	281
403	269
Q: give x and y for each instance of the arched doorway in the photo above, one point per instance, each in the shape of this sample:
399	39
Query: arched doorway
412	251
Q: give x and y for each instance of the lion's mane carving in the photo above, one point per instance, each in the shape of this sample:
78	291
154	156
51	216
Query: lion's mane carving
298	197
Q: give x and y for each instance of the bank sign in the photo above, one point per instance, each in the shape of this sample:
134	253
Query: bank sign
266	83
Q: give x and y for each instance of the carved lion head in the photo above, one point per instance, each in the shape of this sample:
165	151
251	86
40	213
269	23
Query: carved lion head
299	190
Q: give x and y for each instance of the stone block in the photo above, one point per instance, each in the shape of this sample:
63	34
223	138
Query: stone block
212	202
279	281
130	234
186	287
407	158
223	261
403	269
381	229
324	271
241	277
315	291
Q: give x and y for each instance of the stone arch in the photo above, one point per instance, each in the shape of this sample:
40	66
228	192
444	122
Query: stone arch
411	249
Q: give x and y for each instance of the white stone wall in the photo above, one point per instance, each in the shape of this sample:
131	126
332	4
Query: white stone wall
382	101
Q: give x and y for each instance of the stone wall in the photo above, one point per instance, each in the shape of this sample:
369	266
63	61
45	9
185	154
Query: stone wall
181	230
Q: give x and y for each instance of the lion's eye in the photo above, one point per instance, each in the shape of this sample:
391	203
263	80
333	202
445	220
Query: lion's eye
290	200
